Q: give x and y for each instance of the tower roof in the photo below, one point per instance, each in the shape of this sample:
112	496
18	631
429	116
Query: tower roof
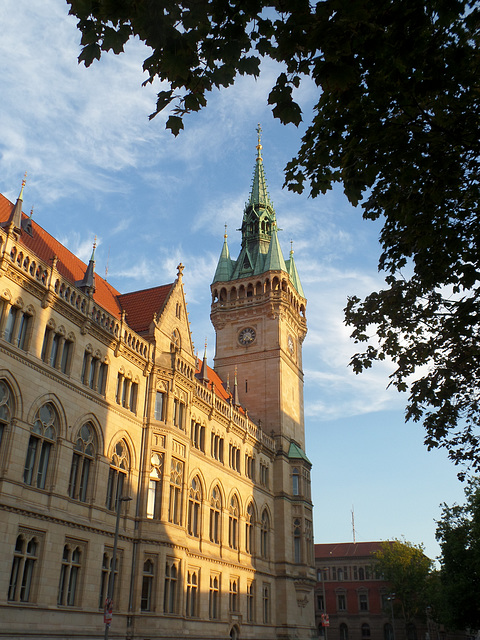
260	251
225	264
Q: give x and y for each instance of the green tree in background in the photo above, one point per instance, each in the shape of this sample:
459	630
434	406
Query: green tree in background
396	121
409	572
458	533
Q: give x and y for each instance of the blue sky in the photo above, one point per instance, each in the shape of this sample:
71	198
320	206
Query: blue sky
97	167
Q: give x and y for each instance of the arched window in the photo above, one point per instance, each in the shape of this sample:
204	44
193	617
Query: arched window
67	588
176	486
249	521
233	523
343	631
215	515
387	631
82	460
23	567
194	507
6	407
40	445
118	474
265	535
365	630
147	586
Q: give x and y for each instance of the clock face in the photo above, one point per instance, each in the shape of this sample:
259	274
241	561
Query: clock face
290	344
247	336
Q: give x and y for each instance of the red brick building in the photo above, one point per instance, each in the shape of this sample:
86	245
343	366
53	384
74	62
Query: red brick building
355	600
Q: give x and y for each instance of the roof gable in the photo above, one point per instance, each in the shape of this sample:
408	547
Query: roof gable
141	306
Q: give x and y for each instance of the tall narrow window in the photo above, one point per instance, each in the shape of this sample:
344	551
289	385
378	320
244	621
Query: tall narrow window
12	315
170	593
176	484
265	536
23	567
344	632
249	521
251	601
147	586
117	475
266	603
160	406
69	574
214	598
24	331
215	515
82	461
154	494
66	358
191	609
194	506
296	481
41	442
297	541
233	523
233	594
107	564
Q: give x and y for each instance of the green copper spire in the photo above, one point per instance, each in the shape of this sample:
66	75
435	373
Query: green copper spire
274	260
224	269
293	273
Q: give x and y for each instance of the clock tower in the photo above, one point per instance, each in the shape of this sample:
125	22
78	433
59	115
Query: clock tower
258	311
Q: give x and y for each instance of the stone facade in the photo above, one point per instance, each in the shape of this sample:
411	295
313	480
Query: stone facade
102	397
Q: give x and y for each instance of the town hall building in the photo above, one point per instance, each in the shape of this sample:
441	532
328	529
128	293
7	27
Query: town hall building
134	475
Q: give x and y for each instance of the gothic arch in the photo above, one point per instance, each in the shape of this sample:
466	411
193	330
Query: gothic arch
52	399
11	381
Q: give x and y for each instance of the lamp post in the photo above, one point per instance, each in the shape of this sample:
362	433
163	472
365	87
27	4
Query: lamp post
111	577
391	598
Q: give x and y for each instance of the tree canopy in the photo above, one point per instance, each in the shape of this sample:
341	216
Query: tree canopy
458	533
408	569
397	122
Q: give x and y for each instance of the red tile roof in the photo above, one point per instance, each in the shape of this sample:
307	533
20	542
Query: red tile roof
140	306
346	549
45	247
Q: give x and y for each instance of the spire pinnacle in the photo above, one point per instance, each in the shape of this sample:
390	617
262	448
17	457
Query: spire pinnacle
203	371
16	215
87	284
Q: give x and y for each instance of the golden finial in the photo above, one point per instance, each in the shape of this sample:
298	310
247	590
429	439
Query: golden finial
291	247
31	212
225	234
20	197
259	145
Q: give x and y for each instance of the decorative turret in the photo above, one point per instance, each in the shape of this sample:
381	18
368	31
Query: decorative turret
293	273
87	284
203	376
16	215
225	264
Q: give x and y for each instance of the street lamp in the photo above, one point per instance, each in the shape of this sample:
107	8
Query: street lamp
391	598
111	578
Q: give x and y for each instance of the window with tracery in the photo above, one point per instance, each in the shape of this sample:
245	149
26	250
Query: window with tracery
24	563
233	523
215	515
40	445
117	475
249	522
82	461
69	575
194	507
176	484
